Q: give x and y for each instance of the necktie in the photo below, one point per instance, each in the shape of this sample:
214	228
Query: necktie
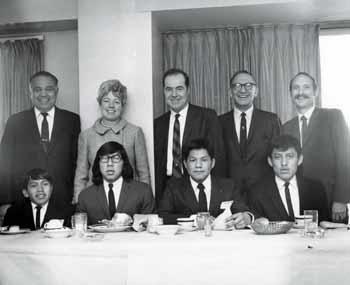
303	129
289	200
45	132
202	199
176	148
37	217
111	200
243	136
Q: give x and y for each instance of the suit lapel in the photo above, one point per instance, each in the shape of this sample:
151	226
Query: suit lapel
252	130
277	201
123	196
215	197
312	126
231	133
102	199
302	197
189	197
56	130
191	117
33	130
295	132
28	215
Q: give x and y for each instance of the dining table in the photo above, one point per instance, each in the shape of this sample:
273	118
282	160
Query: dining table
225	257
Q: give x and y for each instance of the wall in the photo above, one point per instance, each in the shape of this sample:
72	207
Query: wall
116	42
61	58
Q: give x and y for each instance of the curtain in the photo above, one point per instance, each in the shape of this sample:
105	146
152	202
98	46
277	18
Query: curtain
274	54
19	60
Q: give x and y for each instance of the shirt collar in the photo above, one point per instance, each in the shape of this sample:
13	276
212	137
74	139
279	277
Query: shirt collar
101	129
116	184
307	114
206	183
183	112
43	207
237	112
280	182
50	113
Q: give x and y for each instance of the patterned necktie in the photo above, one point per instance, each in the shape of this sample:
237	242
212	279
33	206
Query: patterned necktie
37	217
176	148
243	136
289	200
45	138
202	198
111	200
303	129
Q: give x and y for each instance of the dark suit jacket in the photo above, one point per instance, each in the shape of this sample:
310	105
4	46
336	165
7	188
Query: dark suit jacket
21	214
135	198
263	127
21	151
326	151
179	199
200	123
265	200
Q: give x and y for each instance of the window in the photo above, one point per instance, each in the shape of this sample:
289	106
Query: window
335	74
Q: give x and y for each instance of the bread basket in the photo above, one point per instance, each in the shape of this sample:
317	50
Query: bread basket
272	228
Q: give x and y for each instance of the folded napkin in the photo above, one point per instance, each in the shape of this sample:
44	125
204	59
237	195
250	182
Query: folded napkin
219	223
140	222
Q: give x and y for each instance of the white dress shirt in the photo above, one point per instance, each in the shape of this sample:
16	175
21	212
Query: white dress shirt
307	115
42	212
237	118
182	121
50	117
294	193
117	187
207	189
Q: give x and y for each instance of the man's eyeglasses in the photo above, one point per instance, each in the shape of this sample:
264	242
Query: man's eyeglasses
115	158
247	86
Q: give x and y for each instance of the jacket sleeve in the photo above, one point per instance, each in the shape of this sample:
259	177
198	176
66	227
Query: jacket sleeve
141	159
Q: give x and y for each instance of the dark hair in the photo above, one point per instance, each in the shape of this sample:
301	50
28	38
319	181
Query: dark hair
198	143
240	72
109	148
36	174
284	142
175	71
314	84
43	73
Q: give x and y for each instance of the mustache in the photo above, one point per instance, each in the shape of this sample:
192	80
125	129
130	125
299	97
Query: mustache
299	96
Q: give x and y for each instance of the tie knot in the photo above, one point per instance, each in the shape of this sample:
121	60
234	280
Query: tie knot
38	207
177	116
303	119
200	186
286	184
44	114
243	115
110	186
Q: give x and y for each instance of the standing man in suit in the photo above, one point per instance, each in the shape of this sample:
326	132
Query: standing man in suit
114	190
178	126
247	132
284	195
324	137
200	191
36	209
41	137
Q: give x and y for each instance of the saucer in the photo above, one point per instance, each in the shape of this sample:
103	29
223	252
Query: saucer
108	229
20	231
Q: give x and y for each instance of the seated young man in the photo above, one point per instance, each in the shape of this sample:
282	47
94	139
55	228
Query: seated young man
286	194
200	191
35	209
114	190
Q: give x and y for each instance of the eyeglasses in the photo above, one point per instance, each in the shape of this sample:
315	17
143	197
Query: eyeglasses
115	158
247	86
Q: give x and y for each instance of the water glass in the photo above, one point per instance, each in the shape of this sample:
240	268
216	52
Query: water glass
79	222
310	221
202	218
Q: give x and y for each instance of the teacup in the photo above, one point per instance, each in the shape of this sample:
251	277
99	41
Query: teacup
186	223
53	224
300	220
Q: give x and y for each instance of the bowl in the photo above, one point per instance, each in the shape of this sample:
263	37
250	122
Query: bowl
168	230
272	228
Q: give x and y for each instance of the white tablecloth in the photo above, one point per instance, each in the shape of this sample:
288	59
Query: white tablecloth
236	257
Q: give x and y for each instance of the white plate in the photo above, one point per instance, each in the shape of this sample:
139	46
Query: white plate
58	233
184	229
21	231
106	229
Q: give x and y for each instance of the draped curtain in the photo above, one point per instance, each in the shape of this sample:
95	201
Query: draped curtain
19	60
274	54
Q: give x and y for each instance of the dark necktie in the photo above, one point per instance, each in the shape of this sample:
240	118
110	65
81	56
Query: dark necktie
289	200
111	200
45	138
37	217
176	148
243	136
202	198
303	129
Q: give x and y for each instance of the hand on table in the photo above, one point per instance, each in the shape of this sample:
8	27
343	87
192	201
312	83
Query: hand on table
239	220
338	211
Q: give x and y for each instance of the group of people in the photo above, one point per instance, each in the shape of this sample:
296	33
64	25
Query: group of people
49	169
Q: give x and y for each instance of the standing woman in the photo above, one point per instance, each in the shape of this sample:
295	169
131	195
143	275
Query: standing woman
110	126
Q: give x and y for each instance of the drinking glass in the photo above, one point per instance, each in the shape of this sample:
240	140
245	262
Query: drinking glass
202	217
310	221
79	223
